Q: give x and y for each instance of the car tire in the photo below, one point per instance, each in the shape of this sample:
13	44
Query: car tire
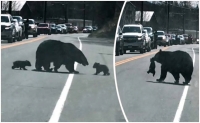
121	52
141	51
124	51
10	40
35	35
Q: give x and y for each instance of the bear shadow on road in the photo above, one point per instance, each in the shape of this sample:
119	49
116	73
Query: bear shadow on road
57	72
171	83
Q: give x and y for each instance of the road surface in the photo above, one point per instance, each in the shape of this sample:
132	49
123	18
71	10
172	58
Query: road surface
30	96
145	100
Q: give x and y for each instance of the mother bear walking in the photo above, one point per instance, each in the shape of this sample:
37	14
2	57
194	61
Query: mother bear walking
59	53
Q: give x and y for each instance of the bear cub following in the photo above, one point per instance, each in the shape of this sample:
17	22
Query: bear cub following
101	68
21	64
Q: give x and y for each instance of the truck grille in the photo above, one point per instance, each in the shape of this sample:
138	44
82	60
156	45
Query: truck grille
130	39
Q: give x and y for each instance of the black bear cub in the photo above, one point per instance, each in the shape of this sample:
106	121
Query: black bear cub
21	64
101	68
152	67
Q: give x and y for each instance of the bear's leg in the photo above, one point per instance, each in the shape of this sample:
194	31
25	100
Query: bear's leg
97	71
70	67
46	66
187	77
24	68
163	74
57	65
176	77
38	65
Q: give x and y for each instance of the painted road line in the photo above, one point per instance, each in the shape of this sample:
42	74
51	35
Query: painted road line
21	43
61	101
183	98
116	85
137	57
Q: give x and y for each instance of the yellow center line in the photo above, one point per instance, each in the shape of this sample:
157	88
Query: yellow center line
21	43
137	57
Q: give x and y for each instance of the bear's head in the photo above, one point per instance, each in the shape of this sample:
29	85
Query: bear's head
28	63
72	52
95	65
159	57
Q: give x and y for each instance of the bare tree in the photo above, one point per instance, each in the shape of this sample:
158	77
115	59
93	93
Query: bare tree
16	5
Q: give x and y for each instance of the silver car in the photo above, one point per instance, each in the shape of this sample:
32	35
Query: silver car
8	31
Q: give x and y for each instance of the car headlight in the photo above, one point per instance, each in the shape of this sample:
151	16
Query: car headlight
7	27
140	38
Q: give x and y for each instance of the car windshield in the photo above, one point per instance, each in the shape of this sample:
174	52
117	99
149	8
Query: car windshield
131	29
4	19
68	24
148	29
29	22
160	33
43	25
58	26
18	19
87	27
52	25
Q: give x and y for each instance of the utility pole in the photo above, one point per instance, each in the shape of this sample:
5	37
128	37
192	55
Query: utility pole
83	14
141	18
10	7
197	23
66	19
45	11
184	18
167	17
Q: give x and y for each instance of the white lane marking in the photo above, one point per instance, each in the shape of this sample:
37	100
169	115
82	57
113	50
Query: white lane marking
116	85
183	98
61	101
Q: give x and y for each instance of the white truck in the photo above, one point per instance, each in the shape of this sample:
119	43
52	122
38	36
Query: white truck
134	38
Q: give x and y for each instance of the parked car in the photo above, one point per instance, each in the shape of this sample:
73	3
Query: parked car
64	28
88	29
21	23
69	27
134	38
170	38
32	27
119	48
44	28
53	28
95	28
18	29
75	30
186	38
150	33
8	31
161	40
173	39
167	40
59	29
181	39
147	39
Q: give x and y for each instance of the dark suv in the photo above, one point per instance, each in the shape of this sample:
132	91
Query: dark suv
119	48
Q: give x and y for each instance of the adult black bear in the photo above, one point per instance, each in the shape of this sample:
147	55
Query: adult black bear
59	53
177	62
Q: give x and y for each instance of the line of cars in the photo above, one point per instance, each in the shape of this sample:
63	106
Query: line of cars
13	28
134	37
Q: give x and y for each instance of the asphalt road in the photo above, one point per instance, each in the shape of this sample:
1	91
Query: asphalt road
145	100
30	96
